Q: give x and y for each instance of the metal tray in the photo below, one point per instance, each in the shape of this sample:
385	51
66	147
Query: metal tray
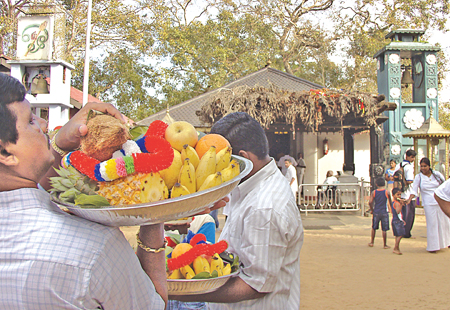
160	211
195	287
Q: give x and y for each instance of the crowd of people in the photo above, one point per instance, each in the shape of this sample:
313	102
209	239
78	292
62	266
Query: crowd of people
404	187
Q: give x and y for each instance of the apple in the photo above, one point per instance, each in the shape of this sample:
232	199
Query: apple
181	133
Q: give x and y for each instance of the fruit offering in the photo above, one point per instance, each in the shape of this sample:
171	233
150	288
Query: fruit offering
194	259
112	169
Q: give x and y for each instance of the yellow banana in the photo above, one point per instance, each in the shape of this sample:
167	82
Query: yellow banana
170	175
217	264
227	173
179	190
206	166
223	158
187	176
201	264
211	181
226	270
153	188
187	272
189	152
176	274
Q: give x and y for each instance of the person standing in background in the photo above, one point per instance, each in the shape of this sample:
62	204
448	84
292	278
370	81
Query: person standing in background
291	176
281	164
409	209
301	167
389	174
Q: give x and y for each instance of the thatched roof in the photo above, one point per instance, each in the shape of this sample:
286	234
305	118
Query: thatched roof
311	108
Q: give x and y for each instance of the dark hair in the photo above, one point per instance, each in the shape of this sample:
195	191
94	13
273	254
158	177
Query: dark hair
411	153
395	190
244	133
288	160
11	90
392	160
380	182
425	161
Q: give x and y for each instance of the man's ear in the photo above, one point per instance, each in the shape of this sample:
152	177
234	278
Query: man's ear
6	158
244	154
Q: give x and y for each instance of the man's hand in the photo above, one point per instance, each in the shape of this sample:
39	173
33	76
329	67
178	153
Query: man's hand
69	136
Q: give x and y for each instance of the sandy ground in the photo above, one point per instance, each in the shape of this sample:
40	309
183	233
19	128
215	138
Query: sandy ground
339	270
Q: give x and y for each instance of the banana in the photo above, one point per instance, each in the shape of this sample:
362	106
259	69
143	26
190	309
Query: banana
153	188
179	190
217	264
187	272
170	175
176	274
206	166
223	158
226	270
189	152
187	176
200	265
227	173
211	181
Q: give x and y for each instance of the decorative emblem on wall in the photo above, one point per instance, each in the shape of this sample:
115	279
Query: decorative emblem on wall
431	59
432	93
37	34
394	58
396	149
394	81
413	119
395	93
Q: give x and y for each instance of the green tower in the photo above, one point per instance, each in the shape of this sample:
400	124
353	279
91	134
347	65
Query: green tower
407	75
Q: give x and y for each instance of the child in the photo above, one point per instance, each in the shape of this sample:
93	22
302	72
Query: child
389	175
398	225
379	209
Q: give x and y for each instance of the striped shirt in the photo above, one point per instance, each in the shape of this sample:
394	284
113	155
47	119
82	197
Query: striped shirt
264	229
52	260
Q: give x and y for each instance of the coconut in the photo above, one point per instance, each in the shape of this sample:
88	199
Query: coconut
106	134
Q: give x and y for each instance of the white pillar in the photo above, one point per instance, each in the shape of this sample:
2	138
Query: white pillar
54	117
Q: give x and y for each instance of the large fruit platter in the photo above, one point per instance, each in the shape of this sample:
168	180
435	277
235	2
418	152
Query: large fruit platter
196	267
168	172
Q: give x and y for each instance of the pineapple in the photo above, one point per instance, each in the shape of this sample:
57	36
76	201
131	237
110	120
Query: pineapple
126	191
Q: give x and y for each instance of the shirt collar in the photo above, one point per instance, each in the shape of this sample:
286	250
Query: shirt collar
248	185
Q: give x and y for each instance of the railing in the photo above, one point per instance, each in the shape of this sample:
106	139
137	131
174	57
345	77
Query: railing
334	197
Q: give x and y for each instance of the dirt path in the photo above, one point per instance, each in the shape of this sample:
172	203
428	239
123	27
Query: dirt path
339	271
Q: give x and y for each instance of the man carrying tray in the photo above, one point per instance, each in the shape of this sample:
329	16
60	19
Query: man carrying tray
48	258
263	228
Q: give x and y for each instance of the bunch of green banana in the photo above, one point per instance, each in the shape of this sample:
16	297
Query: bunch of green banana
206	166
187	176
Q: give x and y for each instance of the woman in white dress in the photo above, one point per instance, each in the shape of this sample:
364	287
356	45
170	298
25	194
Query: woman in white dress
438	224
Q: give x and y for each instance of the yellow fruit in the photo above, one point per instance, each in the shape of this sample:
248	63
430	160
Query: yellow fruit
226	270
176	274
189	152
223	158
123	191
217	264
201	264
170	175
153	188
179	190
179	133
181	248
211	181
187	272
205	142
206	166
187	176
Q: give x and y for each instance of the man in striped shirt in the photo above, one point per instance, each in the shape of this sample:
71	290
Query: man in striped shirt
263	228
48	258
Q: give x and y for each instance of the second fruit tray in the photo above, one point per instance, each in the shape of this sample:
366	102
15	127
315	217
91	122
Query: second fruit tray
160	211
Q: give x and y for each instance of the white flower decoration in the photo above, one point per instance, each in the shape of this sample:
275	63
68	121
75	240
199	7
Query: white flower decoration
413	119
396	149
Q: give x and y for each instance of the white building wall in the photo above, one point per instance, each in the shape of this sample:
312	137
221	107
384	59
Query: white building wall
362	155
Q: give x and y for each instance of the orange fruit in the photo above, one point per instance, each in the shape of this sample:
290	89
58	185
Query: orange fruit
181	248
209	140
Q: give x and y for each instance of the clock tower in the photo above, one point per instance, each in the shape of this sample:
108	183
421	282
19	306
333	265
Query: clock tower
407	75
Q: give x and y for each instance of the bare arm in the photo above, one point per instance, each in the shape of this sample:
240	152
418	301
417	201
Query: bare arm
445	205
235	290
154	264
69	136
